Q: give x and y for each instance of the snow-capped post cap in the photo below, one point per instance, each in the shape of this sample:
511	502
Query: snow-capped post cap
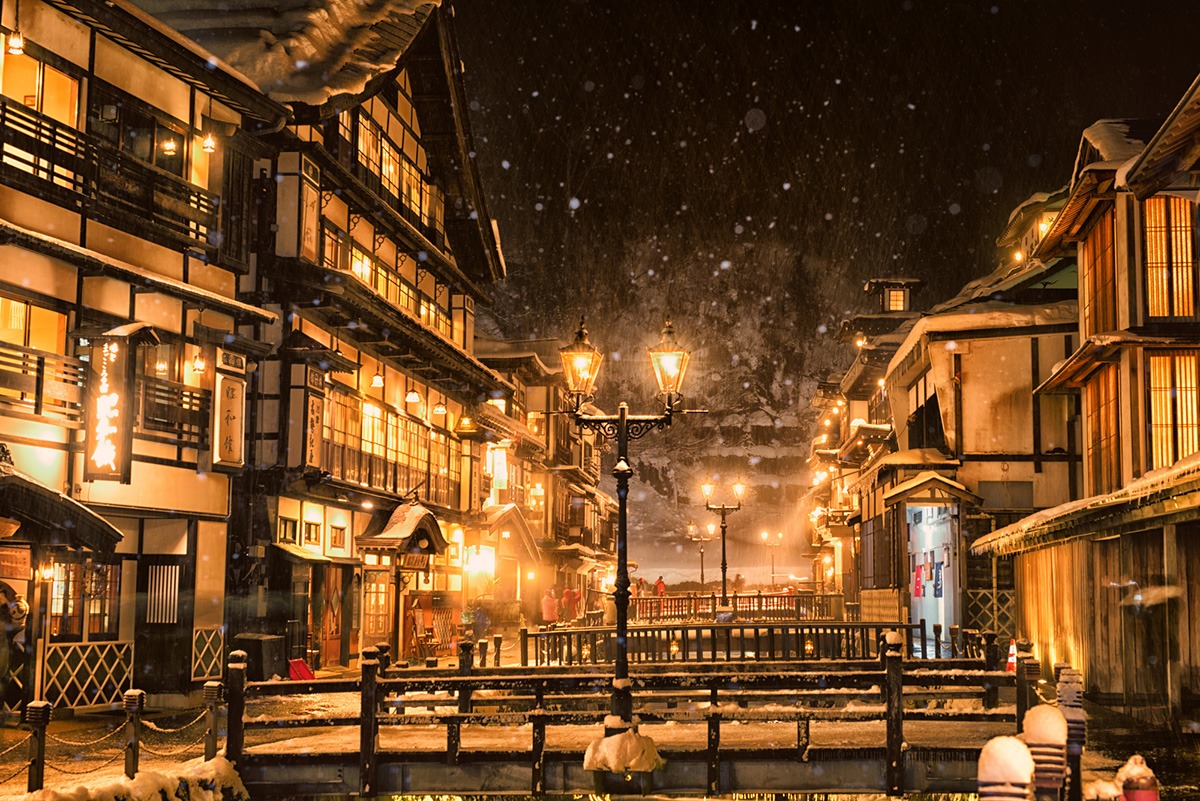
1045	724
1137	781
1004	761
894	641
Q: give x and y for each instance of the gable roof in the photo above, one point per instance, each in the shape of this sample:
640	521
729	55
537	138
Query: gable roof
1174	148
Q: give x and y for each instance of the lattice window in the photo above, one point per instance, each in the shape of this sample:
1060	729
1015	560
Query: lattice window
1169	228
1103	452
208	646
1174	428
1098	277
162	594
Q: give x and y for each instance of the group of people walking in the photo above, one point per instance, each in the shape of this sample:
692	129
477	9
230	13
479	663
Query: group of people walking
566	609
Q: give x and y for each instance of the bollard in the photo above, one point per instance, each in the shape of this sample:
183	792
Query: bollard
955	633
497	640
937	640
894	698
135	702
991	652
37	715
1005	770
236	702
1046	736
482	645
368	733
523	633
212	705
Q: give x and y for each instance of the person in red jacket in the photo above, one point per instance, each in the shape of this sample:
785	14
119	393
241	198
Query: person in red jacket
549	607
570	604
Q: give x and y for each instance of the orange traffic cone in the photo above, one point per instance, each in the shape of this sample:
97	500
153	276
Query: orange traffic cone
1011	667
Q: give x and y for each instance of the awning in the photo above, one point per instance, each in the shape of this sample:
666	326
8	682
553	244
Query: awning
301	553
409	529
48	517
90	262
929	489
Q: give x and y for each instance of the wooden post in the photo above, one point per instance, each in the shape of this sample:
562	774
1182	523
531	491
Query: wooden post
937	640
954	635
37	715
135	701
802	737
924	655
236	705
894	698
539	754
497	640
1022	692
482	645
523	633
713	755
212	705
368	733
385	657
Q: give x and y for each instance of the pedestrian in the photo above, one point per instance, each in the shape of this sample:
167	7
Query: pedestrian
480	621
549	607
570	604
641	586
660	587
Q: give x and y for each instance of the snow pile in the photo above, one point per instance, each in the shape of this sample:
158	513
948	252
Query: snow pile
197	780
1101	791
1134	771
1045	724
1005	760
627	751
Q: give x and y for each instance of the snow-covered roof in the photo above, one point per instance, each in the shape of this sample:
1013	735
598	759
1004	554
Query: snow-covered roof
923	479
306	52
1073	517
1163	154
987	316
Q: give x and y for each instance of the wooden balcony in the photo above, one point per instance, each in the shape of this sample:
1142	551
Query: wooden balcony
174	413
85	173
41	386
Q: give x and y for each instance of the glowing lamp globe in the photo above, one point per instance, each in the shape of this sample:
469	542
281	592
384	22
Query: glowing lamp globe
707	489
581	363
670	363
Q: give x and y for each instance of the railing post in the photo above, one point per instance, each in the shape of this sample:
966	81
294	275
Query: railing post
37	715
368	732
135	701
236	706
1023	693
497	641
539	754
894	690
212	704
713	754
523	633
937	640
954	635
385	657
991	662
924	655
482	645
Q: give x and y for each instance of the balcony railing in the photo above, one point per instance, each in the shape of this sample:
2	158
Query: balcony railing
175	413
36	385
349	463
75	169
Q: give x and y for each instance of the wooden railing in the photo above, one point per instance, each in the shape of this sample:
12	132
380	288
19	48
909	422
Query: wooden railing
694	695
754	606
727	642
180	412
73	169
37	385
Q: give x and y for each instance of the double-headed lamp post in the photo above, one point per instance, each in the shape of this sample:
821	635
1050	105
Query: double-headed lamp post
723	509
581	364
695	536
772	543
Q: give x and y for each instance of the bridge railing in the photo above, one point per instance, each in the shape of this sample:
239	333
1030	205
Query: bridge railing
746	606
740	641
793	692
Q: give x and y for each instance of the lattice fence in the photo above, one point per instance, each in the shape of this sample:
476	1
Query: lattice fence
208	649
88	674
992	611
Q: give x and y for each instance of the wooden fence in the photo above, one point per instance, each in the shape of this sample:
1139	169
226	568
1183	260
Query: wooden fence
745	606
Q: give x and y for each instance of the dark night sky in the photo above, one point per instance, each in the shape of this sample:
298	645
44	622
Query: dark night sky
741	167
884	137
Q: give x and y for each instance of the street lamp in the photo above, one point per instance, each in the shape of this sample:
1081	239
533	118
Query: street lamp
695	536
581	364
723	509
772	544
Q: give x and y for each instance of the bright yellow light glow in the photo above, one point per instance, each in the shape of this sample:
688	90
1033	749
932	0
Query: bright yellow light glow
1019	256
481	562
531	575
170	146
707	489
827	560
582	363
670	364
108	403
739	490
16	44
371	410
712	529
209	145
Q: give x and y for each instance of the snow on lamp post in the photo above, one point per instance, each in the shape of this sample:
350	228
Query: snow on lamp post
772	543
723	510
581	364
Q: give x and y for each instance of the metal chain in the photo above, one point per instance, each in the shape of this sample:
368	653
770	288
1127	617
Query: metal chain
108	736
16	745
174	752
104	764
155	727
17	773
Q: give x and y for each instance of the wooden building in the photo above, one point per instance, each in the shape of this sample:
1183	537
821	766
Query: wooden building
122	377
1108	582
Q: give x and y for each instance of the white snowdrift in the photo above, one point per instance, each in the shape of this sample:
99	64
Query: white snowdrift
215	780
627	751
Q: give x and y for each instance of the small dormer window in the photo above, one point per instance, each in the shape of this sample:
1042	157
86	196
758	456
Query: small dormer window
895	300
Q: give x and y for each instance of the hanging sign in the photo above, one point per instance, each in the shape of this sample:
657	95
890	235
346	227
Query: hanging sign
109	412
229	420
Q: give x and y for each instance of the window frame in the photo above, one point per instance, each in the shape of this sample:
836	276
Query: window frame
1181	281
1175	434
73	596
